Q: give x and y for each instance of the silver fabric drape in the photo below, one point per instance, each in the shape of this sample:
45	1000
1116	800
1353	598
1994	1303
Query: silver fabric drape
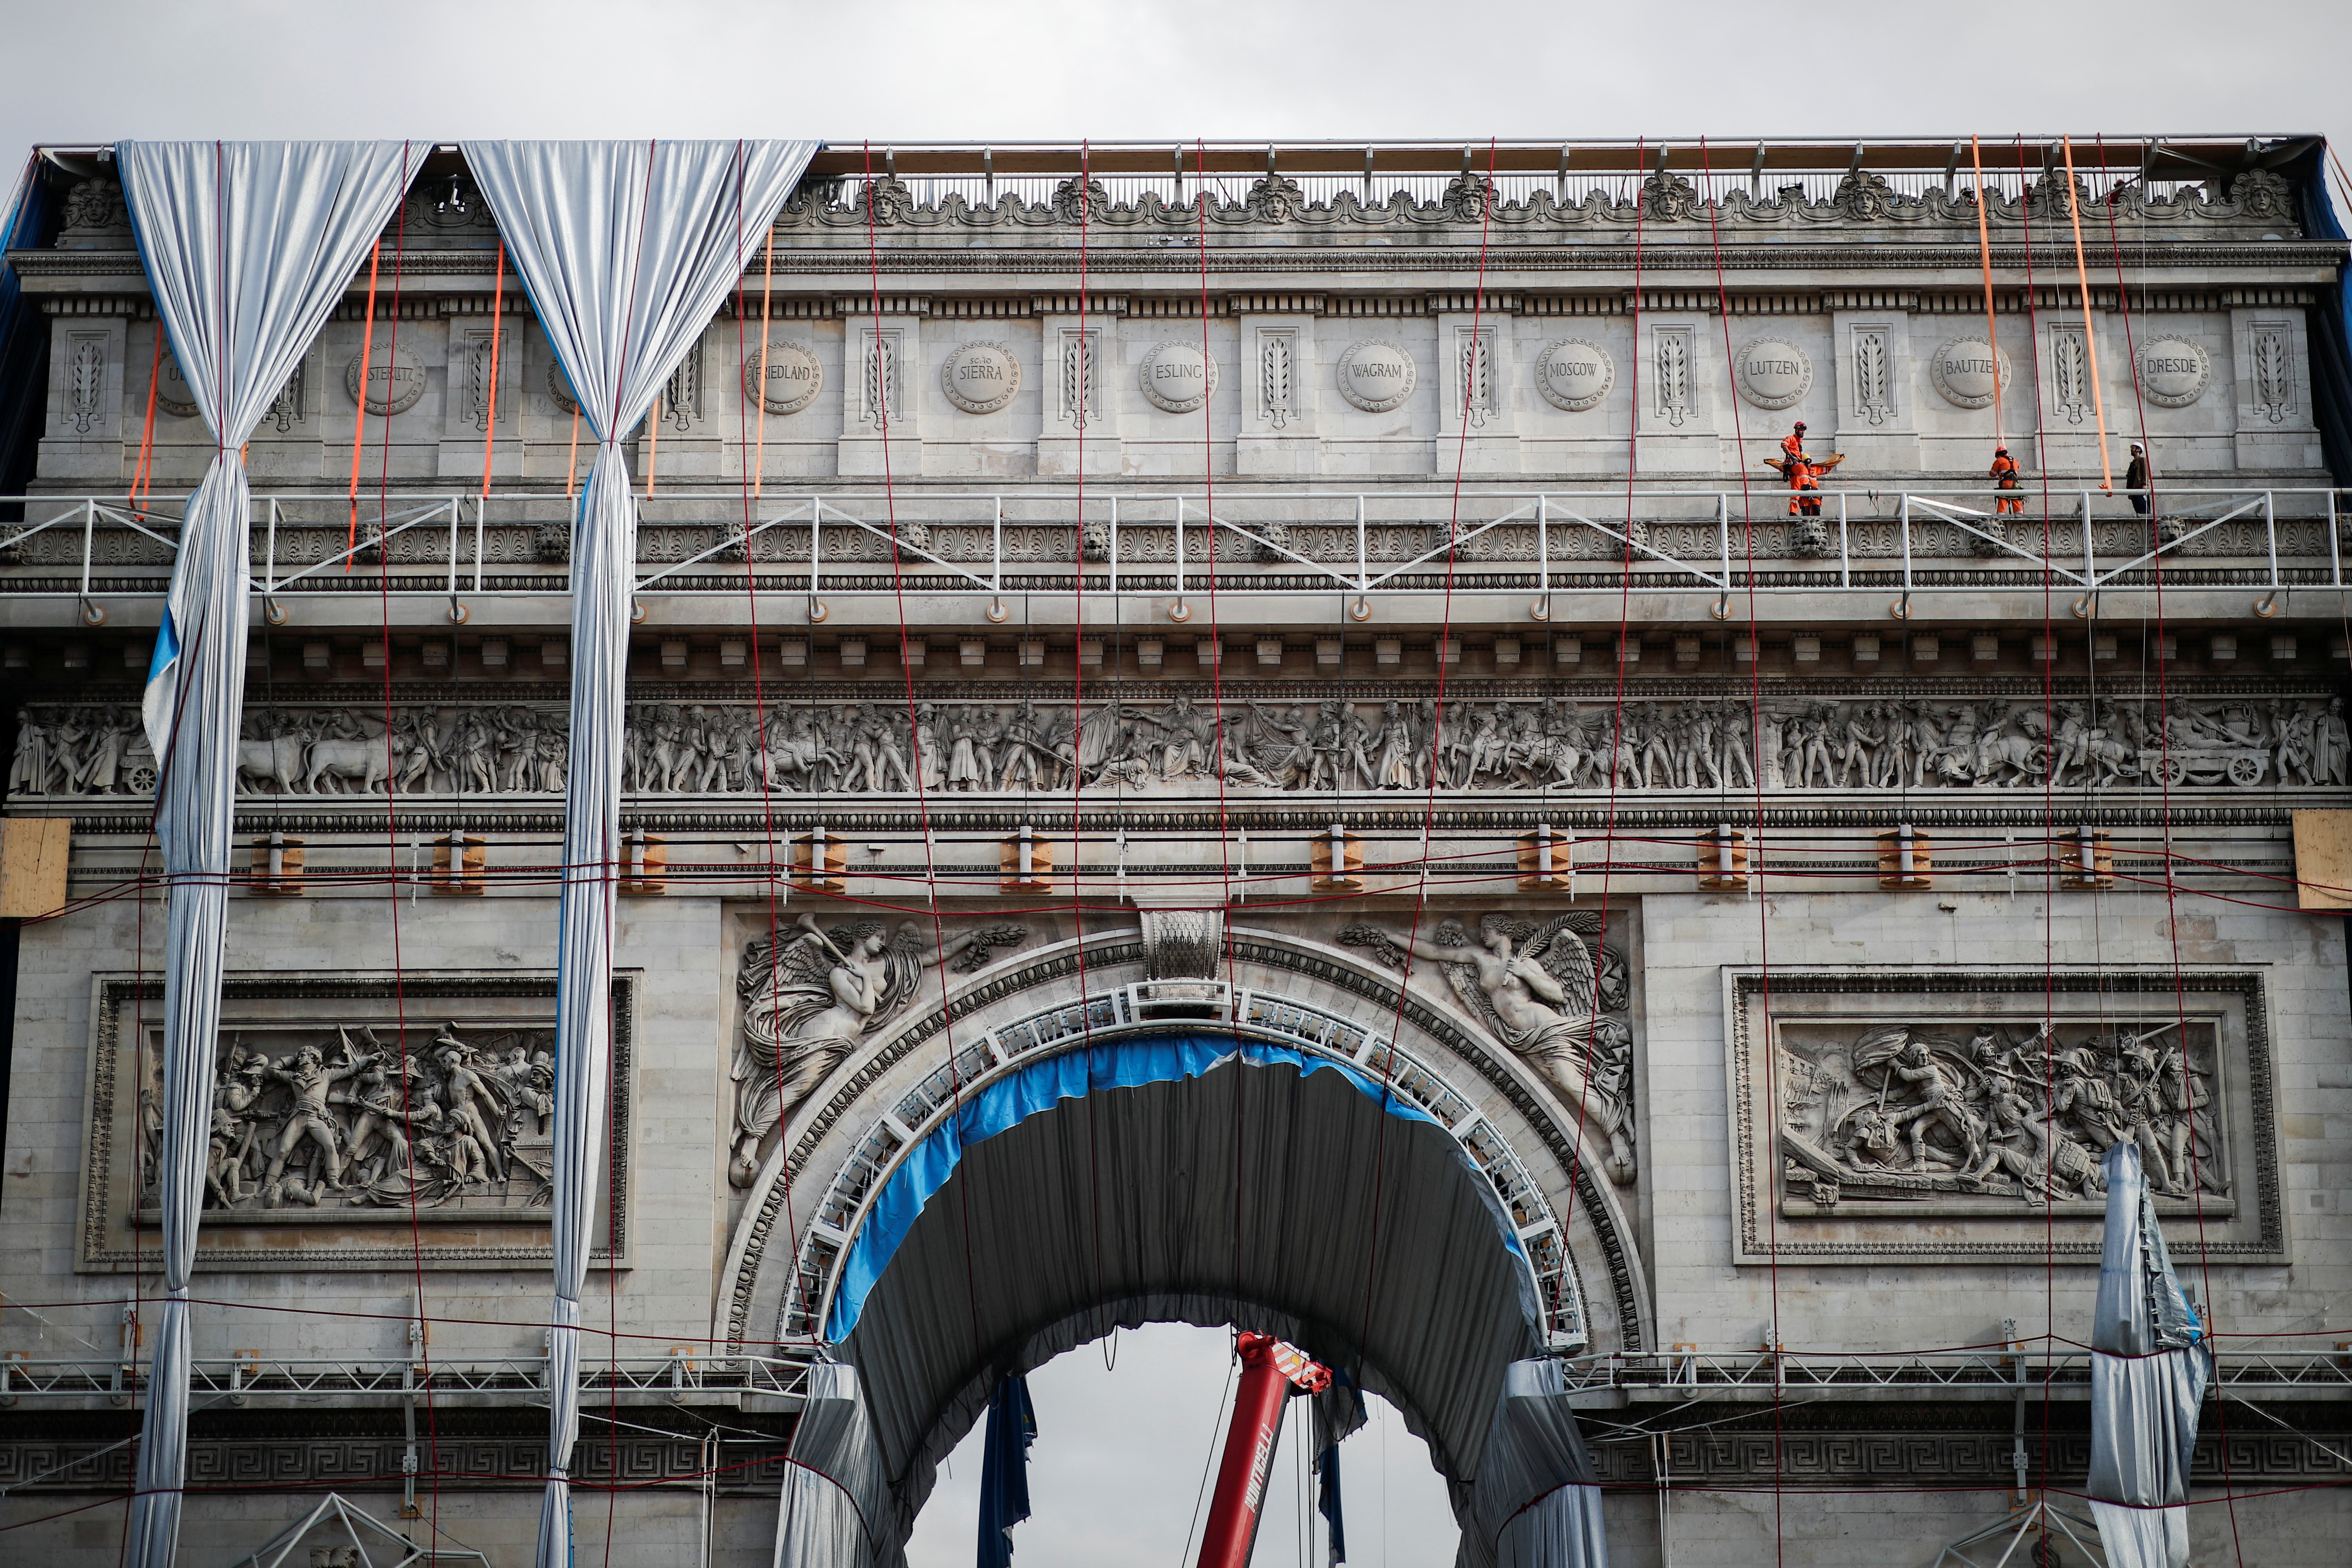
835	1502
248	244
1537	1503
627	248
2150	1365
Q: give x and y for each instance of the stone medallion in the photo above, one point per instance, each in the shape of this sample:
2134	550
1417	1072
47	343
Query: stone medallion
1574	374
794	378
2173	372
1177	377
1963	369
395	380
1377	375
979	378
1772	374
559	387
172	393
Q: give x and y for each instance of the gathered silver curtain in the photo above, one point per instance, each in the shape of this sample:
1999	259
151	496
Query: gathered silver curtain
247	246
1537	1501
627	248
2150	1365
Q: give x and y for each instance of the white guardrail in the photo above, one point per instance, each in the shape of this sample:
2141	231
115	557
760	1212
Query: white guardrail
1167	544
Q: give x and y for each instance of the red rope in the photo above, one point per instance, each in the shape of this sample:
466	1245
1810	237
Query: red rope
1469	364
391	852
2171	887
1756	861
915	742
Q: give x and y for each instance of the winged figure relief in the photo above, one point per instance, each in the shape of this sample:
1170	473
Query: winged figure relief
810	995
1537	990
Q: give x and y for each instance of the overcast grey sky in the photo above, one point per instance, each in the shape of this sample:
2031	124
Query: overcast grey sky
1118	1464
1015	69
1120	1454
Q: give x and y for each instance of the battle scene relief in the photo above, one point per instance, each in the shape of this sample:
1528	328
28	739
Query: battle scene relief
1183	740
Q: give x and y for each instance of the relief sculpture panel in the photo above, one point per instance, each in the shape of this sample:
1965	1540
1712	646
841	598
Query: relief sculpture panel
346	1108
1178	741
1934	1115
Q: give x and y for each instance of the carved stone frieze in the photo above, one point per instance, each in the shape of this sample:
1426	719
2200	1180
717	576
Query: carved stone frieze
1555	1001
811	995
1935	1115
1862	199
1179	742
346	1107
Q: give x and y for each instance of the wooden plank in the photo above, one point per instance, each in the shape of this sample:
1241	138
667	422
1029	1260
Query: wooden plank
2322	860
33	854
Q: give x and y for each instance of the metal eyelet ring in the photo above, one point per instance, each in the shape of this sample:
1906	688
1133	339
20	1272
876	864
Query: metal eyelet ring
2267	606
1362	610
1721	608
1540	610
1179	611
274	613
458	613
998	611
2082	608
1901	609
92	615
818	611
636	611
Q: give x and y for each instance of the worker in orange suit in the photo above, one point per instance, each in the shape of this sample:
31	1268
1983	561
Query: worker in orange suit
2004	477
1797	469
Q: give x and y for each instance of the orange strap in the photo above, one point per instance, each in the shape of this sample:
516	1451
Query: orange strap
498	310
654	424
359	421
767	291
1984	255
572	459
143	472
2090	334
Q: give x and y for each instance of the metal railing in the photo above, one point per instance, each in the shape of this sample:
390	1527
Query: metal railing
1995	1370
246	1375
1175	544
1159	1006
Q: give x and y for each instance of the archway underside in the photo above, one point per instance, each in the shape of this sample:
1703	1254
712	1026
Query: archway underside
1250	1194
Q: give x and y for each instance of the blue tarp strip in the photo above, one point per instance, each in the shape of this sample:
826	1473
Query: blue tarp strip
2331	334
1036	1087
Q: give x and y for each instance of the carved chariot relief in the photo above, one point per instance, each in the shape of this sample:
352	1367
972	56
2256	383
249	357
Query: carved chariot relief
1177	743
343	1105
1911	1113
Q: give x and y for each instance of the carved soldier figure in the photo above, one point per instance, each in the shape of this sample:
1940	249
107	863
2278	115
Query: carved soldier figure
311	1079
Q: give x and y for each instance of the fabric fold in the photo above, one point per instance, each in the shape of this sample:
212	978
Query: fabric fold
627	250
247	247
2150	1364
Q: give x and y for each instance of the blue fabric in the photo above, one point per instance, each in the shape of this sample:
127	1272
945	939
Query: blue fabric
2331	332
1327	1502
1004	1470
29	224
1034	1089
